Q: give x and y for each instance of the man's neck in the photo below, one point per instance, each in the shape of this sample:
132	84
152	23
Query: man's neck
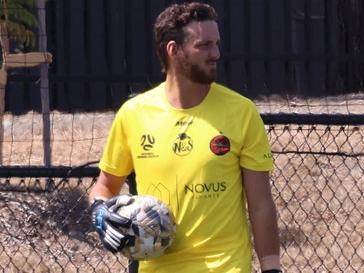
183	93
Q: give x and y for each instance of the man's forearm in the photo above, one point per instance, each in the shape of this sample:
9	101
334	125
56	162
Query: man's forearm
107	186
99	191
266	237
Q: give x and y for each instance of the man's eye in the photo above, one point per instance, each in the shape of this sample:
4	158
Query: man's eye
205	45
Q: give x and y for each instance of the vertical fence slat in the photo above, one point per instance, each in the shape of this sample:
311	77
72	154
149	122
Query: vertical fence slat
155	9
288	50
268	54
44	86
275	46
61	57
299	44
331	45
257	41
307	28
115	28
75	16
95	54
234	39
247	46
222	8
224	26
148	47
137	41
317	72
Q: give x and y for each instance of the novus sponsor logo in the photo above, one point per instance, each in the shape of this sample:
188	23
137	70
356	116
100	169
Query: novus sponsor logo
203	188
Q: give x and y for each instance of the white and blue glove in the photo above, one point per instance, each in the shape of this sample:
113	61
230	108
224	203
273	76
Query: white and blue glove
111	227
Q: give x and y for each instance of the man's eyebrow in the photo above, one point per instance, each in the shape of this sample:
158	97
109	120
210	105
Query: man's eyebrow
208	41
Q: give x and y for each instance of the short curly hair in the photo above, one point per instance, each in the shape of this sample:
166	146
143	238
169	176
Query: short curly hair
169	25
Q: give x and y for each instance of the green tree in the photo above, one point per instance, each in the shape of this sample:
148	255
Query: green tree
21	20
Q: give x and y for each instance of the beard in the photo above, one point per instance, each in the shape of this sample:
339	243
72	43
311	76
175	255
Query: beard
196	73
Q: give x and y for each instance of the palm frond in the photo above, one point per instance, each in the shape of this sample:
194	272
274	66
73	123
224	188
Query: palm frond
20	14
21	34
22	21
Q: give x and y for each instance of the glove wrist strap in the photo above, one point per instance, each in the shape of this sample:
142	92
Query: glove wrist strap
96	202
269	262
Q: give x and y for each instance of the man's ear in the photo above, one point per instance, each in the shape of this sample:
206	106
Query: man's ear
172	48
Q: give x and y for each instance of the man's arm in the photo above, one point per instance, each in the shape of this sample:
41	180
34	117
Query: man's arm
106	186
262	213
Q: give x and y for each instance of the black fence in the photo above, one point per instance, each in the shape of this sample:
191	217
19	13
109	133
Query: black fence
103	51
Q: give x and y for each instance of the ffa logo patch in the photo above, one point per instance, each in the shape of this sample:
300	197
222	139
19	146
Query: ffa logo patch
147	142
220	145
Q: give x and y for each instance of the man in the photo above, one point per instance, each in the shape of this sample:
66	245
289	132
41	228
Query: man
200	148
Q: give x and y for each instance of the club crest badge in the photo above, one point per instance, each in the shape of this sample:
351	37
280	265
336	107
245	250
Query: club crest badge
220	145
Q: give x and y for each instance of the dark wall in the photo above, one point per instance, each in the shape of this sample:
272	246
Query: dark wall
103	51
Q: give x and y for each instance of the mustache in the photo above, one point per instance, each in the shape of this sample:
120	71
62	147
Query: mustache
212	60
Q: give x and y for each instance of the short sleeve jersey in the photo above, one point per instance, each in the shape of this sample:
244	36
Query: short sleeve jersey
191	159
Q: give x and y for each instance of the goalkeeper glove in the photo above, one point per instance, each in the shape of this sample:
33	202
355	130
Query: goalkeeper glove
111	227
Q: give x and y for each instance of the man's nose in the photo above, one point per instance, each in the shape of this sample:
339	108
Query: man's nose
215	52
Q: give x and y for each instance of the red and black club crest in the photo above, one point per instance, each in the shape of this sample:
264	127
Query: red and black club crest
220	145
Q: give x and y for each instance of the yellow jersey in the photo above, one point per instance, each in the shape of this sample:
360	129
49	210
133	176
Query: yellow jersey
191	159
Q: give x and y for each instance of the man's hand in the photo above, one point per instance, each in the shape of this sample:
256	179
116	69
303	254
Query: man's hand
111	227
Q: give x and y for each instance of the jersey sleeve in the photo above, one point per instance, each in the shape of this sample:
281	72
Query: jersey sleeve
256	153
116	158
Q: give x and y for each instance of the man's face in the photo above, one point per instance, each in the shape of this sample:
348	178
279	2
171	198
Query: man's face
198	56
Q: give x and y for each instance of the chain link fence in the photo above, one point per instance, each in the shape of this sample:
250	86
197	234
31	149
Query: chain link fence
318	187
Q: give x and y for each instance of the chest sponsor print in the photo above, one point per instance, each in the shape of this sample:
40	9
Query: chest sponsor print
206	190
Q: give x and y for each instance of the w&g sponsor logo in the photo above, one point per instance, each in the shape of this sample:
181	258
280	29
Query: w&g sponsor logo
183	145
206	190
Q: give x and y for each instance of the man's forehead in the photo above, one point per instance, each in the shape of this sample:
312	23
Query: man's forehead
202	30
